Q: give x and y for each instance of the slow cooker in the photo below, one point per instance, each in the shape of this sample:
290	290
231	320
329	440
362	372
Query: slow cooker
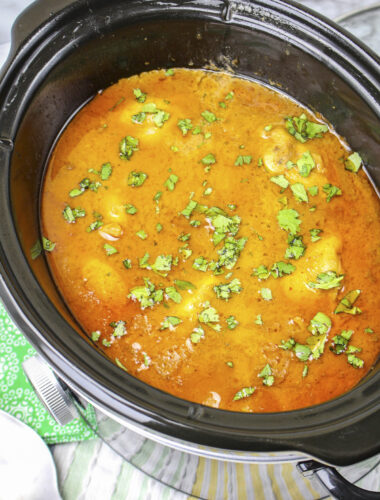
61	56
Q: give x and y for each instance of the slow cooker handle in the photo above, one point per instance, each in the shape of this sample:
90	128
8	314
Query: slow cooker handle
334	482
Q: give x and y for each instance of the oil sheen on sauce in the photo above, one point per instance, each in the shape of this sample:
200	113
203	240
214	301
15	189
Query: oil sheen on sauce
204	229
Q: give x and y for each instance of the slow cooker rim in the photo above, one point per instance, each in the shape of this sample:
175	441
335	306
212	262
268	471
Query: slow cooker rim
43	346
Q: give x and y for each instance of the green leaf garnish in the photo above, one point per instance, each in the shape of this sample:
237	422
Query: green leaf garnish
94	225
184	125
314	234
130	209
110	250
280	180
47	245
287	345
346	305
208	159
200	264
208	116
147	295
245	392
119	328
71	214
266	375
313	190
169	72
184	285
209	316
232	322
320	324
225	290
105	171
266	293
127	263
243	160
139	117
36	250
140	96
136	179
197	334
171	182
170	322
142	234
189	208
303	352
128	145
144	261
296	247
288	220
299	192
305	164
172	293
259	320
163	263
340	342
326	281
353	163
302	129
331	191
95	336
355	361
159	227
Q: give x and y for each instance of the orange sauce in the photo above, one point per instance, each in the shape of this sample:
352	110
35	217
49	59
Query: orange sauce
232	155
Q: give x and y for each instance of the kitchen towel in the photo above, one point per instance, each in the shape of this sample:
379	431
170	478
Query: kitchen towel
17	395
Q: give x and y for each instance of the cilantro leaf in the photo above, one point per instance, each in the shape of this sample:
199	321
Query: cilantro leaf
200	264
197	334
280	180
303	129
171	182
189	208
147	295
170	322
302	352
331	191
184	285
110	250
353	163
209	159
36	250
208	116
305	164
299	192
266	375
128	145
47	245
209	315
245	392
259	320
232	323
172	293
279	269
127	263
184	125
142	234
140	96
296	247
320	324
314	234
266	293
225	290
139	117
355	361
243	160
130	209
105	171
163	263
136	179
313	190
346	305
326	281
119	328
288	220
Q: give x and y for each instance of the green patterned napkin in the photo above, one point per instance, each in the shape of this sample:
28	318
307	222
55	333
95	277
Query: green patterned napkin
18	398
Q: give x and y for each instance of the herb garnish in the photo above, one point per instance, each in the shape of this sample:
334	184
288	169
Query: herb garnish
305	164
140	96
245	392
47	245
110	250
326	281
136	179
197	334
171	182
232	322
128	145
184	125
288	220
208	116
296	247
209	315
243	160
331	191
225	290
266	375
303	129
353	163
170	322
147	295
209	159
346	305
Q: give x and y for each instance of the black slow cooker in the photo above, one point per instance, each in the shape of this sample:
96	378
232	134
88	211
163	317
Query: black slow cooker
61	56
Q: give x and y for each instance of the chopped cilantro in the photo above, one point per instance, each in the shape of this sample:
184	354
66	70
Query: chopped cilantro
142	234
266	293
160	117
197	334
320	324
163	263
140	96
170	322
200	264
260	162
302	129
280	180
94	225
314	234
231	206
110	250
353	163
296	247
209	315
243	160
288	220
232	322
299	192
128	145
127	263
230	95
222	104
245	392
36	250
346	305
171	182
208	116
158	227
230	252
268	128
189	208
287	345
340	342
184	125
184	236
225	290
105	171
106	343
230	364
95	336
195	223
47	245
172	293
305	164
119	328
368	330
130	209
147	295
175	149
305	371
70	214
313	190
331	191
120	364
279	269
355	361
144	261
157	196
326	281
169	72
136	179
139	117
184	285
302	352
259	320
208	159
266	375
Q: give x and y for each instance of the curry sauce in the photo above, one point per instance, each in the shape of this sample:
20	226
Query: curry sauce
217	240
